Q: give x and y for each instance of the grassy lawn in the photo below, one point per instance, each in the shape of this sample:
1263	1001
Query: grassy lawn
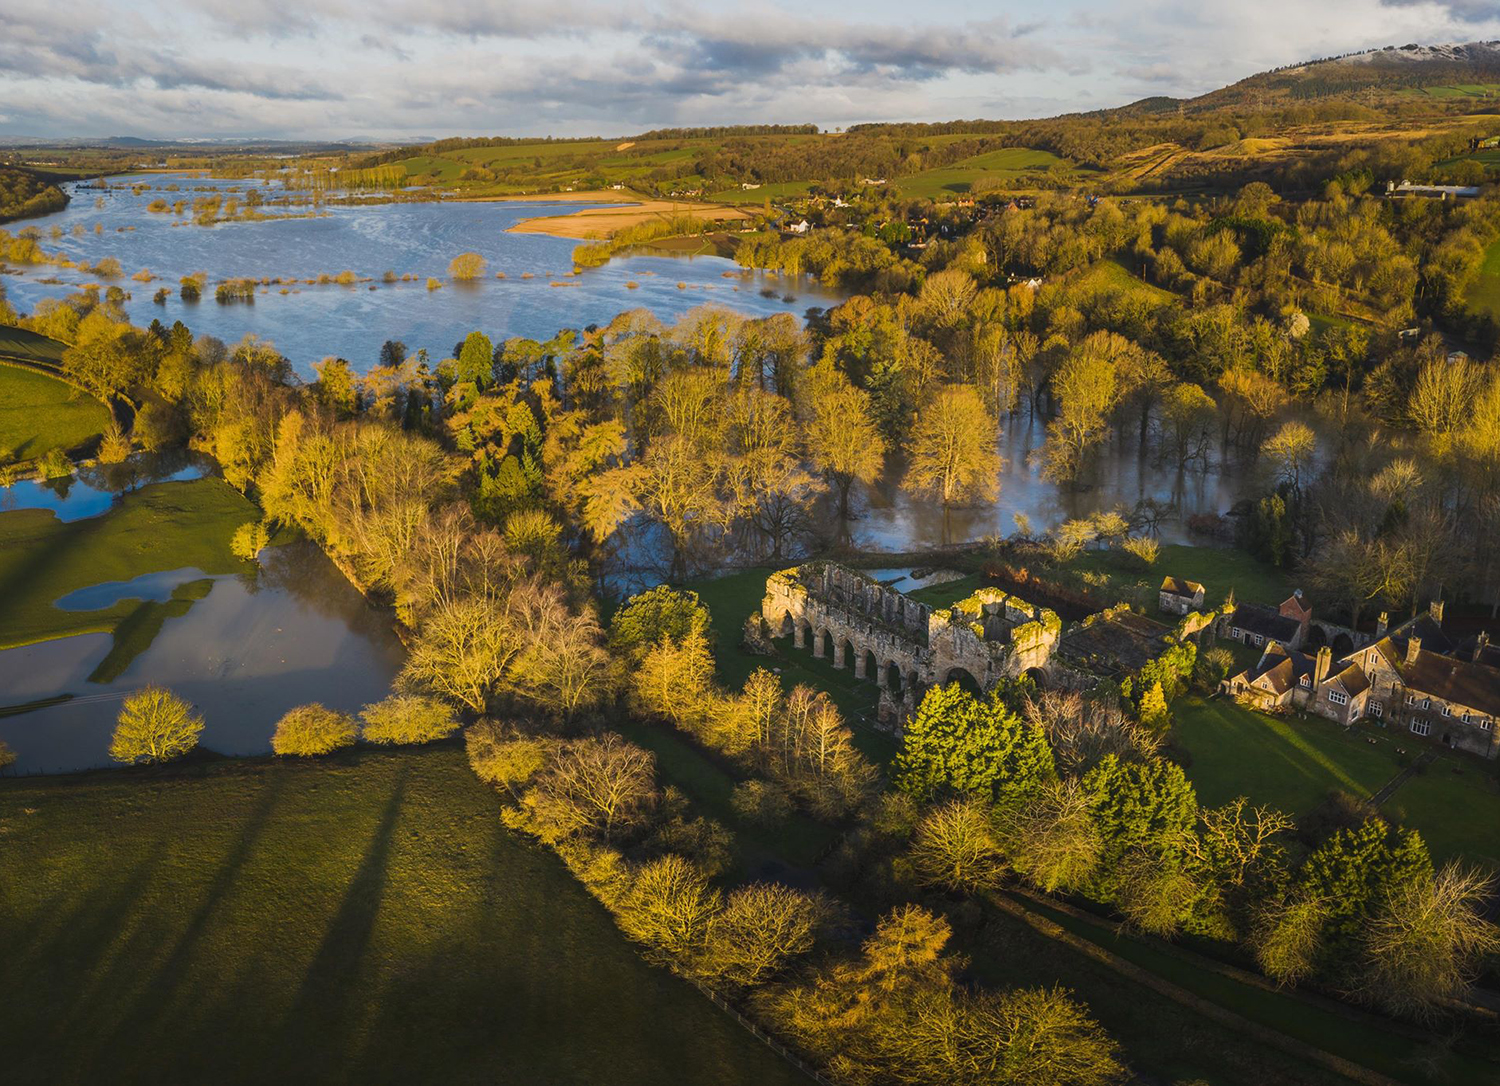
1288	763
730	599
159	527
780	191
30	346
1385	1051
1455	804
363	918
1006	164
1483	294
709	785
39	413
1217	569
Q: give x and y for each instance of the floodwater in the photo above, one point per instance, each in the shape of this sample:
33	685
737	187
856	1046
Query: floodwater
95	489
244	655
1121	475
420	239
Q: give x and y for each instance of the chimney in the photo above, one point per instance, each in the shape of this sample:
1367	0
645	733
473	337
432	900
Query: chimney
1435	612
1380	627
1413	646
1323	666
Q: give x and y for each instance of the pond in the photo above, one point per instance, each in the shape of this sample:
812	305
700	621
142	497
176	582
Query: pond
311	321
243	655
96	487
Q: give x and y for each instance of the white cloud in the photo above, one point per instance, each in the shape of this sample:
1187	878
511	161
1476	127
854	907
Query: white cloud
337	68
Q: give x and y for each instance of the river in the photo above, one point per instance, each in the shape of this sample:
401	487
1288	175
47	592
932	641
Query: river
310	321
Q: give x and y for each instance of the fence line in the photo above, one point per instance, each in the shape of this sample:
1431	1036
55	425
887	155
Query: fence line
760	1034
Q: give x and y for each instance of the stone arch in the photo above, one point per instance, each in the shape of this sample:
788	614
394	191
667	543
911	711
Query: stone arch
865	664
964	678
1343	645
822	643
915	685
1038	676
1316	637
893	680
843	651
802	631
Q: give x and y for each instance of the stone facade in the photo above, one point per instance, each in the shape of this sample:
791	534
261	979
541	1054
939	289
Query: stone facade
900	644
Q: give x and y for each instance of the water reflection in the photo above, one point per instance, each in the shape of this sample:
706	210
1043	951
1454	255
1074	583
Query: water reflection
1123	474
242	655
94	489
537	297
148	586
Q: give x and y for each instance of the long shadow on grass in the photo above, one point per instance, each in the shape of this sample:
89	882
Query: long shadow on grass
318	1021
161	994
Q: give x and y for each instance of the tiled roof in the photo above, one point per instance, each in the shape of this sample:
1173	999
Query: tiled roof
1473	686
1178	587
1279	669
1353	680
1265	621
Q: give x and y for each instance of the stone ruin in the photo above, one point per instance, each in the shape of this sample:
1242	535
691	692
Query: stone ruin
902	645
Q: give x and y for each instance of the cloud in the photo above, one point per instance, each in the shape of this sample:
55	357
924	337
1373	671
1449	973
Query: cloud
337	68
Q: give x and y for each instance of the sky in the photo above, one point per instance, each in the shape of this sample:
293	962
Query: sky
380	69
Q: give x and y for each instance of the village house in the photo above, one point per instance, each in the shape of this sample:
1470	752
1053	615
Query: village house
1178	597
1418	678
1257	625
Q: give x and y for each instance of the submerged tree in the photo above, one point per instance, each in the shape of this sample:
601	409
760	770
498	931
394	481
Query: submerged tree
952	450
155	725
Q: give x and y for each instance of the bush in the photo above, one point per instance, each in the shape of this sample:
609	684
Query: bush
764	803
54	464
434	284
7	756
249	540
467	266
501	755
155	725
313	729
408	718
115	447
1144	550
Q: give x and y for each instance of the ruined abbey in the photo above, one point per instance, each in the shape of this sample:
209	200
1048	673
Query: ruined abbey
903	645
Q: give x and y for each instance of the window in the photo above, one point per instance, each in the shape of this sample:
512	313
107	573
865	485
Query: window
1377	709
1420	726
1411	699
1338	697
1486	724
1306	681
1258	640
1427	703
1447	710
1236	633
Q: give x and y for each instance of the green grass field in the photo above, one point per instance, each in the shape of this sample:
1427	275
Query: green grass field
30	346
1006	164
1483	294
730	599
40	413
159	527
782	191
1293	763
363	918
1217	569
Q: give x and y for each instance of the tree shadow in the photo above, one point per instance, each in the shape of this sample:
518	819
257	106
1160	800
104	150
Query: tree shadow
318	1023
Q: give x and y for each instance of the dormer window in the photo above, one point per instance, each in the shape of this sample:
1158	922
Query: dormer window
1447	710
1427	703
1306	681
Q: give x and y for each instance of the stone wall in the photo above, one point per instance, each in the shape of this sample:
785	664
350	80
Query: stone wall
842	613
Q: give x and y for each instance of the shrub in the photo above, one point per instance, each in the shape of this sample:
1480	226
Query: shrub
7	756
1144	550
155	725
501	755
408	718
116	445
313	729
345	278
434	284
54	464
249	540
765	803
467	266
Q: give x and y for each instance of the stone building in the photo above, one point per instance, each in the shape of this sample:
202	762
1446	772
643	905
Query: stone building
902	645
1178	597
1257	625
1416	677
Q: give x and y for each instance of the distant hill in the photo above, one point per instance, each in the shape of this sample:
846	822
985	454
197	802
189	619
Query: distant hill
1462	69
